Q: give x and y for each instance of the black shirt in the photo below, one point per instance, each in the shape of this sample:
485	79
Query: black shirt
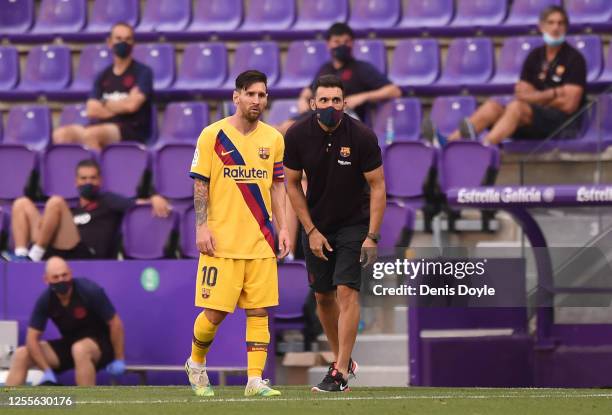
357	76
568	67
111	87
338	194
86	315
98	222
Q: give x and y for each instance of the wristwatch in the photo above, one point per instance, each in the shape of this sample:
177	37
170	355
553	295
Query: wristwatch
374	237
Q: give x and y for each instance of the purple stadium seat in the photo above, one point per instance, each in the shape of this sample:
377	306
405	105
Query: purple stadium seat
16	165
407	166
171	163
469	61
93	59
29	125
184	121
292	292
9	67
61	16
48	68
304	58
465	163
123	165
165	16
263	56
527	12
216	15
105	13
73	114
606	74
187	227
225	109
160	57
281	110
320	14
591	48
406	116
447	112
512	56
480	13
373	51
58	167
598	135
589	11
396	221
374	14
17	16
204	66
415	62
267	15
137	222
427	13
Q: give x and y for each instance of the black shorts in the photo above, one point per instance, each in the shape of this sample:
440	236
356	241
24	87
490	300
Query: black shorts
80	251
63	349
342	267
546	120
132	132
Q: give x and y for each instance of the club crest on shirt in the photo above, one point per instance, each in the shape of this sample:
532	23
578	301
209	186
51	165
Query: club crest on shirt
560	70
80	312
345	151
205	293
264	153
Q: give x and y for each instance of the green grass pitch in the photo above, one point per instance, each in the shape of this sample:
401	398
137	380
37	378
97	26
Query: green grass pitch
148	400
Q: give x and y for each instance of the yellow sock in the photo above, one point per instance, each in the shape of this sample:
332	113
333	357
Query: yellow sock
257	340
203	335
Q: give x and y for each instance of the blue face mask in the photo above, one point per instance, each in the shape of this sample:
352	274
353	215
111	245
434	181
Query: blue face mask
122	49
329	117
61	287
89	191
342	53
553	41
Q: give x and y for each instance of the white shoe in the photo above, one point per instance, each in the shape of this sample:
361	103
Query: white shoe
259	387
198	378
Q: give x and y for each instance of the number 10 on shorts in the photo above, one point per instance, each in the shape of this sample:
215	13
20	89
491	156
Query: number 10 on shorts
209	278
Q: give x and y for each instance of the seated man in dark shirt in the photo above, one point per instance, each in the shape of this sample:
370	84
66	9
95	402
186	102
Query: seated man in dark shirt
550	91
91	330
88	231
119	105
363	83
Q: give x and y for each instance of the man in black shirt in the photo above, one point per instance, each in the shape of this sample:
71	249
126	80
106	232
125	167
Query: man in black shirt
363	83
119	105
550	91
341	214
91	330
88	231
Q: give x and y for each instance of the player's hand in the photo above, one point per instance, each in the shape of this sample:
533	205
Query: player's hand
317	241
116	367
355	100
205	241
48	377
369	253
161	207
284	243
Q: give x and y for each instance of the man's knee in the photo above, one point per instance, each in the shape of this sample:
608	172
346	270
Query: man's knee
82	350
56	202
257	312
21	356
326	300
21	203
516	107
215	316
347	296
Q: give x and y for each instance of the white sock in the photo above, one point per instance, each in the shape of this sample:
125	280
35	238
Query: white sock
36	253
196	365
21	251
253	379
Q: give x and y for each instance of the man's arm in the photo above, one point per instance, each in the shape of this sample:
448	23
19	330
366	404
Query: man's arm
95	109
279	214
34	349
526	92
117	336
297	197
159	204
386	92
204	239
378	201
128	105
567	98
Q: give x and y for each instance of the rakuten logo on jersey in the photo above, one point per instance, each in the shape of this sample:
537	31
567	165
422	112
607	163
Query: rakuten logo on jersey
243	174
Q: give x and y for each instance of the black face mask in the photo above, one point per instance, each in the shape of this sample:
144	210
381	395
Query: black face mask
89	191
61	287
122	49
342	53
329	117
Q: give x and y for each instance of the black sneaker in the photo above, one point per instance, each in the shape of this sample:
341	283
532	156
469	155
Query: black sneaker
332	382
467	130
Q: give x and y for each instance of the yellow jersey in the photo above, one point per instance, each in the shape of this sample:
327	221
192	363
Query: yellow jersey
240	170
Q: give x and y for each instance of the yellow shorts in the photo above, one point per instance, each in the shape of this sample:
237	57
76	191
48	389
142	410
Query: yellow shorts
223	283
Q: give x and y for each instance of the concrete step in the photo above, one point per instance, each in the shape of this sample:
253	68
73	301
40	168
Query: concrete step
368	375
378	349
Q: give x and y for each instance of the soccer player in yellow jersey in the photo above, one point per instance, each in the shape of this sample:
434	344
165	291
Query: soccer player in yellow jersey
239	186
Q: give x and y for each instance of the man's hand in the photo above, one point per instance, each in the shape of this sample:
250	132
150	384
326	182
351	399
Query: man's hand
317	241
116	367
353	101
284	243
205	241
161	207
369	253
48	377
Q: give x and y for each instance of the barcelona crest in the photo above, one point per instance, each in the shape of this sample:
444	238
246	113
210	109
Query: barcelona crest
205	293
264	153
345	151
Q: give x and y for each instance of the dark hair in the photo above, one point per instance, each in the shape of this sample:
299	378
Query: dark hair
125	24
339	29
250	77
554	9
88	163
328	81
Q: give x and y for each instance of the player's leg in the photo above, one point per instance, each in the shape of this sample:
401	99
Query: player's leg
485	116
260	290
25	222
68	134
100	135
22	362
86	353
516	114
57	229
348	322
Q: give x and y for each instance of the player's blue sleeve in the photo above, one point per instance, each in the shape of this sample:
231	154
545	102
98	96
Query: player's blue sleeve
40	314
96	299
372	77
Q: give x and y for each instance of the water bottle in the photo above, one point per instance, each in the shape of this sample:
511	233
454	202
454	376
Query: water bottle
389	131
